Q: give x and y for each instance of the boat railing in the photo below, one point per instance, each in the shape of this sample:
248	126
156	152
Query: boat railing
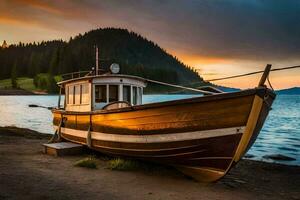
79	74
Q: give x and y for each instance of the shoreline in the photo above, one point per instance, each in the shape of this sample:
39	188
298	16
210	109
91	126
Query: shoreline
27	173
19	92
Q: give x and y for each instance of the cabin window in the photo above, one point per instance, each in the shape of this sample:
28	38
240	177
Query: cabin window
70	98
126	93
71	95
67	95
80	94
113	93
84	97
134	95
140	95
77	93
100	94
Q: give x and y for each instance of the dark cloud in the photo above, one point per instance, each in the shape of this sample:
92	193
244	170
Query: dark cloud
265	29
254	29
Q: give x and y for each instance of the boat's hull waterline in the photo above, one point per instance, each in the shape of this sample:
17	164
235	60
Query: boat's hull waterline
203	137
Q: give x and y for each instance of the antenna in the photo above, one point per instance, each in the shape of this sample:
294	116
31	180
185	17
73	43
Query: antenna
97	60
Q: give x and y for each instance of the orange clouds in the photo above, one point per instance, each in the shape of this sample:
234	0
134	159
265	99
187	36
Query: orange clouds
8	20
210	67
42	11
195	60
41	6
36	17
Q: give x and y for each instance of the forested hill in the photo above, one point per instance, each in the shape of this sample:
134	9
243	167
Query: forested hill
289	91
135	54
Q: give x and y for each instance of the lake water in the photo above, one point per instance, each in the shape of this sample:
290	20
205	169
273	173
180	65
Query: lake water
280	134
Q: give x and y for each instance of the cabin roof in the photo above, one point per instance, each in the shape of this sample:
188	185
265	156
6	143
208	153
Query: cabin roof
101	76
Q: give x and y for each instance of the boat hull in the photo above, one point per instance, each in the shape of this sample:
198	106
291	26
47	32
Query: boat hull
203	137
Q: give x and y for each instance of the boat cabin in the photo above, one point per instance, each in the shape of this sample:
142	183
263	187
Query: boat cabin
108	91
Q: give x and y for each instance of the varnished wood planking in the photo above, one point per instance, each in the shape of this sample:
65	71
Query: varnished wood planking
171	114
232	112
56	118
71	121
217	148
211	152
251	124
261	120
255	123
202	174
179	120
83	122
222	121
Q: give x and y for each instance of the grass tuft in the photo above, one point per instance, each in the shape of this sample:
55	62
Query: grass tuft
123	165
89	162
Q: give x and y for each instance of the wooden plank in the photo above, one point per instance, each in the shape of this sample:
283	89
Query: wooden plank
265	75
168	119
62	148
251	124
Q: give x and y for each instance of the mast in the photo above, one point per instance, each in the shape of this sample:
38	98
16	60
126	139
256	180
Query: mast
265	75
97	60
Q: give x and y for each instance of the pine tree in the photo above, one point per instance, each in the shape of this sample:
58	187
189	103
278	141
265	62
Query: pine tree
14	76
54	62
34	64
52	86
4	45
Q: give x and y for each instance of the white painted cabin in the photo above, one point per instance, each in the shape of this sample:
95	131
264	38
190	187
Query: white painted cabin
92	93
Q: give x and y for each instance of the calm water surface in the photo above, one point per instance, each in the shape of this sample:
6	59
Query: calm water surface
280	134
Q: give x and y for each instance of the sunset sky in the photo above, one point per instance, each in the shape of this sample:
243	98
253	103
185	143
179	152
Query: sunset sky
217	37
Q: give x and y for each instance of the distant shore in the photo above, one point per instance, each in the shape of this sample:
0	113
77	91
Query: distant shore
27	173
15	92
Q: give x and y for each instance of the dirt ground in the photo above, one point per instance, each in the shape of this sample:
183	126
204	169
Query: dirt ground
27	173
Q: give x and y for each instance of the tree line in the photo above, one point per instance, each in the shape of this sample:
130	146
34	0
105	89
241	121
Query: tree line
135	54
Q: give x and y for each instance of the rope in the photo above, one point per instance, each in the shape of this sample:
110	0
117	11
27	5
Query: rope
251	73
89	138
179	86
269	82
57	134
218	79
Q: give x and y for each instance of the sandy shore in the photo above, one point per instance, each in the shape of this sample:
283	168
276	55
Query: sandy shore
27	173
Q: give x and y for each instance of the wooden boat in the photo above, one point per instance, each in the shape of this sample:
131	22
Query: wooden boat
204	137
